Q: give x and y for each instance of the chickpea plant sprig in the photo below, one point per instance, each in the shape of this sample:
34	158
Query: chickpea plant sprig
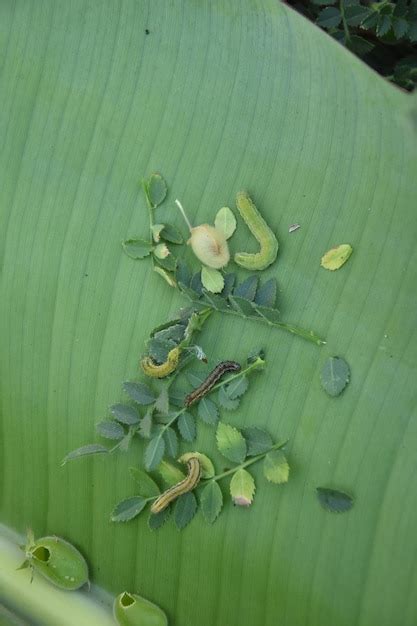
157	412
242	447
150	406
211	285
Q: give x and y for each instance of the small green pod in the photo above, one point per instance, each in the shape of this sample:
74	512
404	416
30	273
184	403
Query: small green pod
130	609
58	561
262	233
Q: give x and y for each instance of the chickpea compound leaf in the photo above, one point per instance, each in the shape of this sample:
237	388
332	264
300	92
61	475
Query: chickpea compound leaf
225	221
335	375
156	190
162	402
87	450
186	426
225	401
231	442
172	234
208	411
170	473
146	424
258	440
157	520
137	248
333	500
276	468
154	452
183	273
145	485
110	429
128	509
236	388
171	442
139	392
211	501
125	414
212	279
267	294
168	278
242	488
185	508
247	288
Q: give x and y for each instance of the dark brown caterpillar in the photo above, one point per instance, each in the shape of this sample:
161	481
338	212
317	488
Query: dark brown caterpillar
220	369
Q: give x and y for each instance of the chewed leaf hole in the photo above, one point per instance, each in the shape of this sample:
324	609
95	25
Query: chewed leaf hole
41	553
127	600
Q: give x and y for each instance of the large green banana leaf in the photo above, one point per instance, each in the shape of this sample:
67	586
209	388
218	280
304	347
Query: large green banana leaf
218	96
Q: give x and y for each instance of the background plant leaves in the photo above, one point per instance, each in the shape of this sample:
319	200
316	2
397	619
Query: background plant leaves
211	501
218	97
334	500
110	429
144	484
335	375
128	509
185	508
257	440
230	442
139	392
125	414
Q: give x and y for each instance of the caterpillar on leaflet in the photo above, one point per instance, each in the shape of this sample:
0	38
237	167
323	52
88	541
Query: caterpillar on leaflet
186	485
207	384
154	370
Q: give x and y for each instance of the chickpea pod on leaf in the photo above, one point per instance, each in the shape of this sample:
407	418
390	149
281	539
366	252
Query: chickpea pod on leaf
208	243
130	609
57	560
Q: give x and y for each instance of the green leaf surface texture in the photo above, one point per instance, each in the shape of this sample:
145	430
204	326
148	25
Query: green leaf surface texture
219	97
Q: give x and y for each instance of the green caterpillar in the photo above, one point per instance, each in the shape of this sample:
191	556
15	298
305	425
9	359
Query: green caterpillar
154	370
262	233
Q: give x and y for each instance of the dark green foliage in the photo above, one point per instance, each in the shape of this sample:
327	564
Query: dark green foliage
155	521
184	510
248	298
335	375
383	34
333	500
128	509
125	414
258	440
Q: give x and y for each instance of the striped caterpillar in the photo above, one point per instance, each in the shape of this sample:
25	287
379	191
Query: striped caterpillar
154	370
207	384
186	485
261	231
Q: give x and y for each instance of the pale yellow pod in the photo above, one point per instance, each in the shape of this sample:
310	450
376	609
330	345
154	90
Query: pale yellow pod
208	243
210	246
